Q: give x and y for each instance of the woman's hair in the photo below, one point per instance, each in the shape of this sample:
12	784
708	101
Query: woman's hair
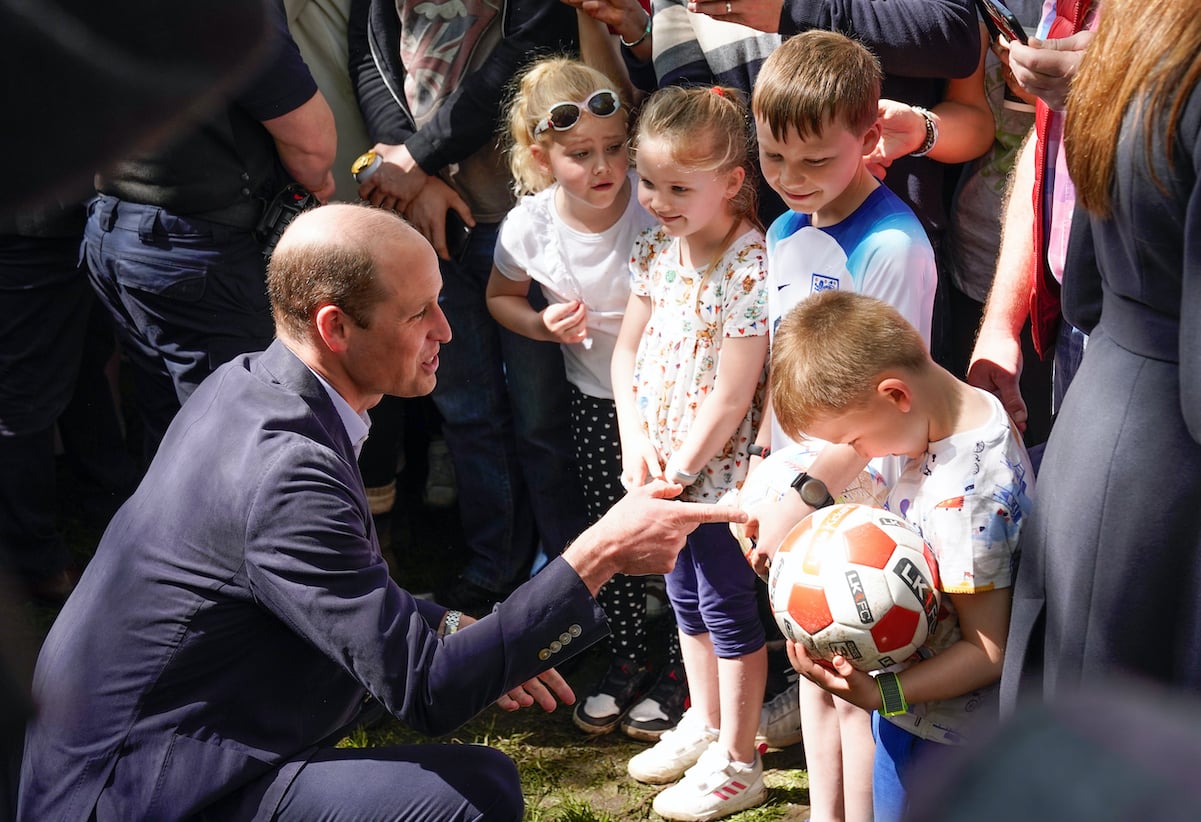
705	129
829	351
1145	61
548	81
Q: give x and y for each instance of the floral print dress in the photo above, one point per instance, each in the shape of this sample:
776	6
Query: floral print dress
676	366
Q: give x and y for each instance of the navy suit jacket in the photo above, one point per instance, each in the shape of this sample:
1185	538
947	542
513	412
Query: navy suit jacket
238	609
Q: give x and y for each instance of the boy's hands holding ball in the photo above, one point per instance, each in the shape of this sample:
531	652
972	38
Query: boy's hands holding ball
837	677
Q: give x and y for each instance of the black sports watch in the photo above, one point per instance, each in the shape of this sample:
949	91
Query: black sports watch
812	490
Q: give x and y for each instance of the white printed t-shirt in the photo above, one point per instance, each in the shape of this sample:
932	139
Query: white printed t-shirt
969	496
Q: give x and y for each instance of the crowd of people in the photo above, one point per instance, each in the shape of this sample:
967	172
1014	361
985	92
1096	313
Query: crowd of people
609	255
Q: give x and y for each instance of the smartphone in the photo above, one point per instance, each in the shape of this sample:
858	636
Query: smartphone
1001	22
457	233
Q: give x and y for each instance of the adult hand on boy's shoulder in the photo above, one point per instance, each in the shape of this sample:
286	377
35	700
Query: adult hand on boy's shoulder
996	366
837	677
902	132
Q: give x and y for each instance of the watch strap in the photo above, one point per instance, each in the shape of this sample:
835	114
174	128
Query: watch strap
803	479
892	698
451	623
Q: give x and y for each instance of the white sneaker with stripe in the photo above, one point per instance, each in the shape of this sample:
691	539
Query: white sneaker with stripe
713	788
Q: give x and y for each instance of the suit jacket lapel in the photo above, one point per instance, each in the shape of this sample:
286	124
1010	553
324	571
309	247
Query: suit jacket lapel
285	368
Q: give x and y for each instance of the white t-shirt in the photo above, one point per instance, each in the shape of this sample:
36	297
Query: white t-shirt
535	243
969	495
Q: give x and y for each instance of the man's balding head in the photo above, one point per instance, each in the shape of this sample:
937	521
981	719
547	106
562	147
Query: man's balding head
330	256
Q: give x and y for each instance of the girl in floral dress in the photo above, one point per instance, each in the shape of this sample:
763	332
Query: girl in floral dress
688	380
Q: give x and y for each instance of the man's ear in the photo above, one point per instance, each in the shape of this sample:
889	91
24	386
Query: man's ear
897	392
331	324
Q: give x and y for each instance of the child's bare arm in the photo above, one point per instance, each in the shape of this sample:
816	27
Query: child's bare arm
508	302
836	466
640	461
738	372
972	662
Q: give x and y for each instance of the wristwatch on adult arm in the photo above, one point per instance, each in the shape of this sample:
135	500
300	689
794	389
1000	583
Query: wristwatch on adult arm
812	490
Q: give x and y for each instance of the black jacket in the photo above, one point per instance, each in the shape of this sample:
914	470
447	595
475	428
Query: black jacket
468	119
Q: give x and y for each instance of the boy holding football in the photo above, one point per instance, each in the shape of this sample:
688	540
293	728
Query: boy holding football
848	368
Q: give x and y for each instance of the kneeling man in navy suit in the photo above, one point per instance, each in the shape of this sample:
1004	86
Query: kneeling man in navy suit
238	611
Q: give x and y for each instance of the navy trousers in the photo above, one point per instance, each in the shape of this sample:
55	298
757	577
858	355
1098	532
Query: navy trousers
45	300
186	295
413	783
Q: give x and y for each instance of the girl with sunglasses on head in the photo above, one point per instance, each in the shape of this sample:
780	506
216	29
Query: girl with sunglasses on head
571	232
689	377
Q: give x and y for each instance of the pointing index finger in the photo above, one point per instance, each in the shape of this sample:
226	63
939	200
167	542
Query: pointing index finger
714	513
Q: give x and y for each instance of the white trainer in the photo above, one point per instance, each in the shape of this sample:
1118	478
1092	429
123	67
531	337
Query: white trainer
780	721
713	788
676	751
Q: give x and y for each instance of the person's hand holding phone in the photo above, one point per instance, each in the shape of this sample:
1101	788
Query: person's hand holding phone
427	212
1045	68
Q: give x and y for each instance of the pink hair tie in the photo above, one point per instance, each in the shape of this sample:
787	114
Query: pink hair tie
718	90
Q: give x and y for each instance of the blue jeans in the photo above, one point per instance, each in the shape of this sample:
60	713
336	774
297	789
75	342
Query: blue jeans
505	415
185	295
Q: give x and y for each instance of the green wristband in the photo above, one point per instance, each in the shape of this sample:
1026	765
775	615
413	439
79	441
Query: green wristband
892	698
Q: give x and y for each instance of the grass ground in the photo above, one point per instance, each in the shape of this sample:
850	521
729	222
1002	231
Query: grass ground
566	775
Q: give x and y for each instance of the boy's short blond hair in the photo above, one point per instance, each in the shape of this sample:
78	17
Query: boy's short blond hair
814	79
829	353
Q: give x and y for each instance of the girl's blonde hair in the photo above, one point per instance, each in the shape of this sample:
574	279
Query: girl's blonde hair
548	81
705	129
